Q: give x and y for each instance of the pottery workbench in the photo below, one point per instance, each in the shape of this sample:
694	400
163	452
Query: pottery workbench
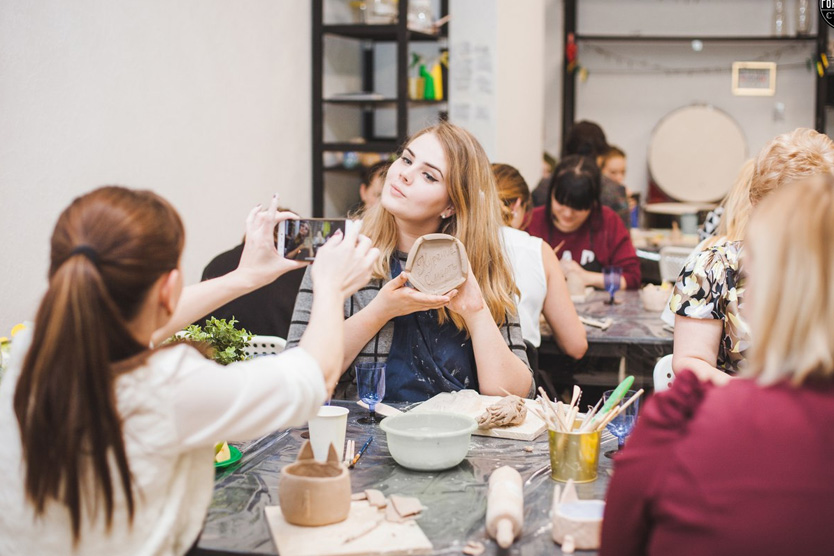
636	335
455	499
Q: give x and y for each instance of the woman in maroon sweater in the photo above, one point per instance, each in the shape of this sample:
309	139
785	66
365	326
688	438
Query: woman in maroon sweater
746	468
585	235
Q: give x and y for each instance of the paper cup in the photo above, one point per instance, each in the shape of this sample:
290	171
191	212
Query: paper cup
326	428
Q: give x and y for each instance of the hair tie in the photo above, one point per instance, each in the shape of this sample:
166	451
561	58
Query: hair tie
87	251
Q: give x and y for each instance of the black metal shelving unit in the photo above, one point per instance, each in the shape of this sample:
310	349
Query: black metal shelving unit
569	79
368	35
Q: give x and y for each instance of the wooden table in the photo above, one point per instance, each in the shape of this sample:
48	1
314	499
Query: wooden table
636	336
455	498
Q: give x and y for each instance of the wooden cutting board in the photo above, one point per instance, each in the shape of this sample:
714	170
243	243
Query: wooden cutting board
388	539
472	404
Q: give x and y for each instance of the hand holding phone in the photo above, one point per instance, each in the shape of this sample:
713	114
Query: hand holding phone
299	240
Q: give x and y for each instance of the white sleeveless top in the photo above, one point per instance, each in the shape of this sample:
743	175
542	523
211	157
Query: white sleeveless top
175	407
525	255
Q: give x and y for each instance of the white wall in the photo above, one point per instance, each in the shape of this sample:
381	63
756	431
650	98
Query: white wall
628	100
496	55
204	101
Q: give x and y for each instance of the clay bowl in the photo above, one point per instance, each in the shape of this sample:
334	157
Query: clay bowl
312	493
437	263
428	440
654	298
582	520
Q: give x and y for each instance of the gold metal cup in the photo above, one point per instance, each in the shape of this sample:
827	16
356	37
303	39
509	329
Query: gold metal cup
574	455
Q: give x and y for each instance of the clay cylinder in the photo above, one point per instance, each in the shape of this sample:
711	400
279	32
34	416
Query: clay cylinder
505	506
313	493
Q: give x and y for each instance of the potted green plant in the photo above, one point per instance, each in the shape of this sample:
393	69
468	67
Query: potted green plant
225	341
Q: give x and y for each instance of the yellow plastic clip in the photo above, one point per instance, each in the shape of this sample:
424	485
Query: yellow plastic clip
820	70
824	59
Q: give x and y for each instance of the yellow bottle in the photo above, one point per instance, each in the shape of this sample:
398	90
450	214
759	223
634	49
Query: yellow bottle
437	77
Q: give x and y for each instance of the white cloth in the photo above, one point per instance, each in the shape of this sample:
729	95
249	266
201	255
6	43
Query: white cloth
175	407
525	254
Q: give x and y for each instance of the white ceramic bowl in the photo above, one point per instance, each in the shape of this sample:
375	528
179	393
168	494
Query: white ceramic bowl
428	440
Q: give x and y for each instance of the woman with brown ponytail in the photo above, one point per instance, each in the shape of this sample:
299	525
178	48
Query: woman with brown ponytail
107	443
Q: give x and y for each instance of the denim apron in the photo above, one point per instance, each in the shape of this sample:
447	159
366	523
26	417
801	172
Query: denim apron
427	358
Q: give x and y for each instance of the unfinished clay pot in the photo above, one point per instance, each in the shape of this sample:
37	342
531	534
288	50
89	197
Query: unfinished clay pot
312	493
575	520
437	264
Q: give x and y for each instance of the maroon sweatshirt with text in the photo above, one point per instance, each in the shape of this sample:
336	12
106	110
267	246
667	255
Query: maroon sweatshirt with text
602	240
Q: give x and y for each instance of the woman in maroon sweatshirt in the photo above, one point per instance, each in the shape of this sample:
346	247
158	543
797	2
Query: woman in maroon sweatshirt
746	468
585	235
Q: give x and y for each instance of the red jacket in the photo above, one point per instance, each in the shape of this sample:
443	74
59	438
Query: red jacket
602	240
739	469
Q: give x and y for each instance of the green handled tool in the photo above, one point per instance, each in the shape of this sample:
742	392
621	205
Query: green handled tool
616	396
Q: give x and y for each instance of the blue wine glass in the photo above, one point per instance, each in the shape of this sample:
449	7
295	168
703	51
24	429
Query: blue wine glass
622	424
370	382
611	279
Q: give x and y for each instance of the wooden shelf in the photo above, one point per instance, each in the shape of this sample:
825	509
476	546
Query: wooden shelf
687	38
373	111
378	33
380	102
379	146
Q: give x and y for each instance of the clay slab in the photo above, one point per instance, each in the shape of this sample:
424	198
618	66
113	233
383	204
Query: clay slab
437	263
387	538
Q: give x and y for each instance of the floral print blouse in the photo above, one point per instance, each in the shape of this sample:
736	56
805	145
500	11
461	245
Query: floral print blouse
711	286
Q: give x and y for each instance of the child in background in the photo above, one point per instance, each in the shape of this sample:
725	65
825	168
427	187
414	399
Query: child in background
370	190
613	166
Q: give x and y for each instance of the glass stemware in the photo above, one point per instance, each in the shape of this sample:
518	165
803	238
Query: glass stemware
622	424
370	382
611	279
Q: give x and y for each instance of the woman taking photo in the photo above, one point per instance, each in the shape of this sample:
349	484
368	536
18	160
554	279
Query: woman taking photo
107	443
585	235
746	468
468	338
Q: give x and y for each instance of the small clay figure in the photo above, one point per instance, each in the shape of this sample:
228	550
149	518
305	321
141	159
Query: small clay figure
506	412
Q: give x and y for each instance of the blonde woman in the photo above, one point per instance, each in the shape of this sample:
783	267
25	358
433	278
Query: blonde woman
541	283
746	468
467	338
711	336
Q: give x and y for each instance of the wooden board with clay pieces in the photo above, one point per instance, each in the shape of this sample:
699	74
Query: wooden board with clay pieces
387	538
472	404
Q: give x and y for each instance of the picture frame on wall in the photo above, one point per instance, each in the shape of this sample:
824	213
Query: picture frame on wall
754	79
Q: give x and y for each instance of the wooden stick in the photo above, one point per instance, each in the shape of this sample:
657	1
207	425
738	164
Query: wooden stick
554	409
619	409
586	424
610	416
631	399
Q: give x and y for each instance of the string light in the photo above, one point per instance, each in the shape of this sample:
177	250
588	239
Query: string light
643	66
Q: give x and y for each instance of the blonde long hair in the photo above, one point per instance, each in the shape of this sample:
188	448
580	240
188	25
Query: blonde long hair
476	221
788	158
737	208
793	283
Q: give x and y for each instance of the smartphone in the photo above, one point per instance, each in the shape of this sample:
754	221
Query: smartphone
299	240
